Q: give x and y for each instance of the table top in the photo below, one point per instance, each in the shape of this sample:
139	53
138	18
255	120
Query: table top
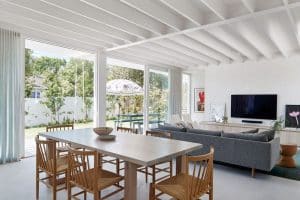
139	149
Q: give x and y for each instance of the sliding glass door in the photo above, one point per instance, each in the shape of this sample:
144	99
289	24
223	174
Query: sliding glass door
158	98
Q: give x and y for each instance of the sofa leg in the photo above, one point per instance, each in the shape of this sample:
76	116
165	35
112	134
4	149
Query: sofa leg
253	172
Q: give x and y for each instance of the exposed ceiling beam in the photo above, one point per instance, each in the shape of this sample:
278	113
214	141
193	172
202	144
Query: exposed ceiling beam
87	11
152	9
214	24
249	32
50	38
168	56
59	14
149	58
125	12
187	51
234	41
199	47
250	5
292	20
187	9
173	53
278	36
50	29
142	50
213	42
216	6
26	13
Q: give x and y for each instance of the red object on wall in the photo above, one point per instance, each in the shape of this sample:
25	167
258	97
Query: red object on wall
202	97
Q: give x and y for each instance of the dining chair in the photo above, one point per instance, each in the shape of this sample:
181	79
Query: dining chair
61	146
159	168
115	161
53	166
189	186
84	173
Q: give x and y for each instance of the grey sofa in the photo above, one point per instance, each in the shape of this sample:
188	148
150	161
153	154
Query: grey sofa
243	152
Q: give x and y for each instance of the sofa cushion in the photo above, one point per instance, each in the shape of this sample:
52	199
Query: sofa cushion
270	134
247	136
251	131
204	132
169	127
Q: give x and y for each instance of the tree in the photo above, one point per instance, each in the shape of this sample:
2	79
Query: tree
29	62
54	98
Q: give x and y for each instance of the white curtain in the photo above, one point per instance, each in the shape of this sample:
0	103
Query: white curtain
175	84
11	96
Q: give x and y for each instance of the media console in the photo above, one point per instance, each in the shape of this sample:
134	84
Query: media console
287	135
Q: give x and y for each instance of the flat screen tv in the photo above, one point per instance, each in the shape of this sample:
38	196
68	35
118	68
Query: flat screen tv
259	106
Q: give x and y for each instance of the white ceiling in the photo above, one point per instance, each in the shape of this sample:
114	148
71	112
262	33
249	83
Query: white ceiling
182	33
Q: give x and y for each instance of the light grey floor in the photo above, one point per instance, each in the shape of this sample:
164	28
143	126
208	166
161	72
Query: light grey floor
17	182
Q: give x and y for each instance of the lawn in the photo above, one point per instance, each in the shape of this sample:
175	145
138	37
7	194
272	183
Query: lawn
32	132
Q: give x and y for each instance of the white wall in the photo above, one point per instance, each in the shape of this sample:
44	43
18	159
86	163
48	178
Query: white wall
197	81
280	76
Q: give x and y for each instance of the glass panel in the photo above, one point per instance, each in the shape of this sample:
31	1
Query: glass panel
158	97
186	93
124	97
58	89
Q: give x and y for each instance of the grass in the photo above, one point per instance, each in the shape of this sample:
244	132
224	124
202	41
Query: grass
32	132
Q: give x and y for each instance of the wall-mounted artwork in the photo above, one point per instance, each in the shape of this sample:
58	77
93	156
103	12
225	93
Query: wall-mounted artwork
199	100
292	116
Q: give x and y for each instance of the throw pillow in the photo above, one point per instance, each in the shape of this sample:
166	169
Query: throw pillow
204	132
171	128
270	134
247	136
251	131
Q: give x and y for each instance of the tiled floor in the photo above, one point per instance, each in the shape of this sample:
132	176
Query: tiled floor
17	182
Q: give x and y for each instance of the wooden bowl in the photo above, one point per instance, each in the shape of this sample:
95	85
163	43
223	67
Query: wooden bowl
103	130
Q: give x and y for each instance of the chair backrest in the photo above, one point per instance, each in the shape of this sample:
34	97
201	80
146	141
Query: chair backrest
127	130
61	127
81	170
201	177
159	134
46	154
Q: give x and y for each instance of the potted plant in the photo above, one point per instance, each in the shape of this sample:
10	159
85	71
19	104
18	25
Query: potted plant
278	125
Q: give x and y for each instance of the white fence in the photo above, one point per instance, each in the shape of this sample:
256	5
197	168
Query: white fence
36	113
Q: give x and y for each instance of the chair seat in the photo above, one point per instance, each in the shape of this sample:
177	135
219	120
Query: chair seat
65	148
61	164
105	178
176	186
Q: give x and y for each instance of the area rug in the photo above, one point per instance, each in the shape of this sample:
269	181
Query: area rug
290	173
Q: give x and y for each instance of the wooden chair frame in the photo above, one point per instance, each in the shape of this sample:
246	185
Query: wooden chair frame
196	184
84	175
155	169
61	146
115	161
46	162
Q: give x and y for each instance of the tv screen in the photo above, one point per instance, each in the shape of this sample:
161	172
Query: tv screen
254	106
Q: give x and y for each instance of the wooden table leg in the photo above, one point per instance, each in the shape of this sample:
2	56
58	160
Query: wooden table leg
130	181
181	164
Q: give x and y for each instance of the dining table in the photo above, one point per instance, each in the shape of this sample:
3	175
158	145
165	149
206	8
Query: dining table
135	149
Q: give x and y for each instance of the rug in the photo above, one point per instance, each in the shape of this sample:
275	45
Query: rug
290	173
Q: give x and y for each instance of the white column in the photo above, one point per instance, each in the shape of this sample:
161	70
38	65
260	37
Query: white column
100	89
22	95
146	98
175	87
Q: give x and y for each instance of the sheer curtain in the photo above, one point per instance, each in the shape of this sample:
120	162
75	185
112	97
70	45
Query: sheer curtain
11	96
